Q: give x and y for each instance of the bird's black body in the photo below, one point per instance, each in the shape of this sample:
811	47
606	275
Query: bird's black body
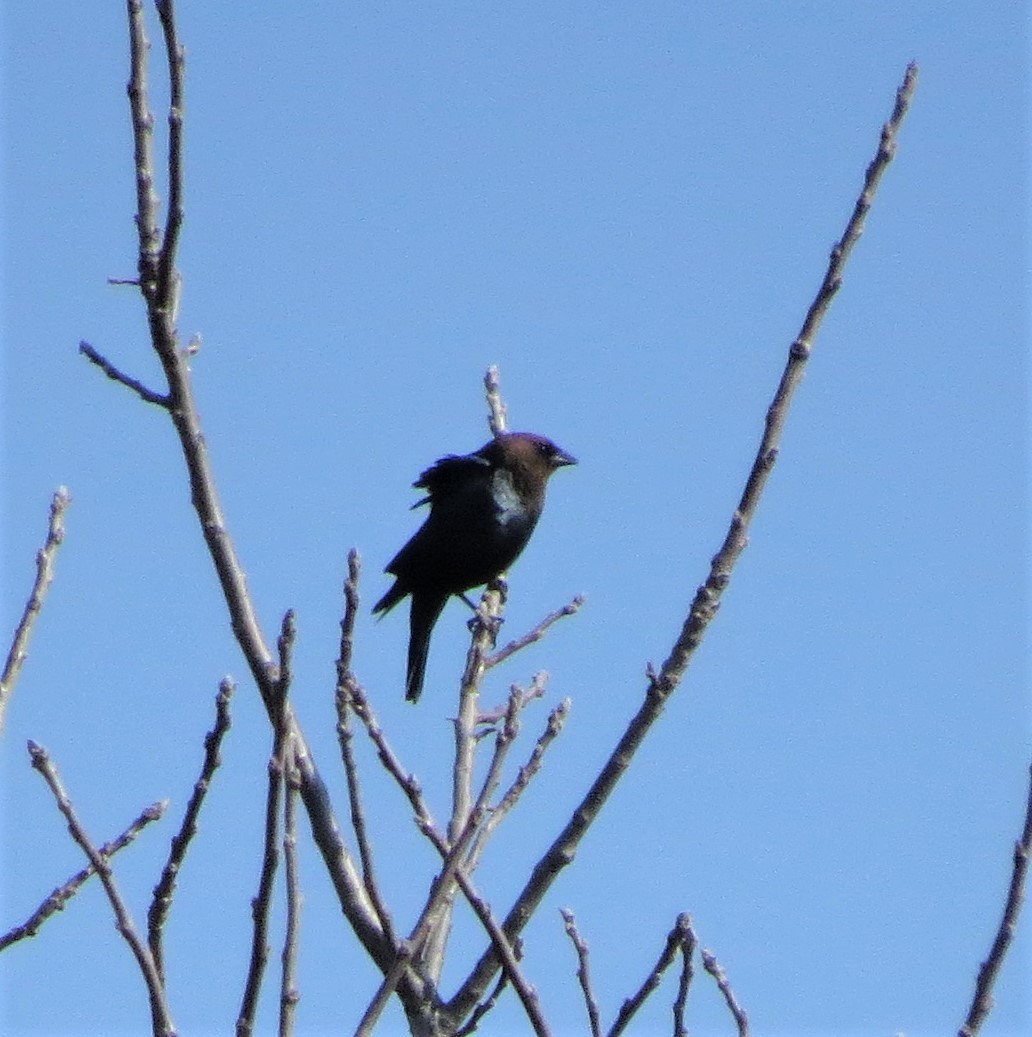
483	508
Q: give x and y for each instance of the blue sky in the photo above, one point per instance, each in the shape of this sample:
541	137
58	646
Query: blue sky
628	208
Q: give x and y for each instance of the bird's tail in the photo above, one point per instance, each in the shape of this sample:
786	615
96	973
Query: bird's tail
425	613
391	598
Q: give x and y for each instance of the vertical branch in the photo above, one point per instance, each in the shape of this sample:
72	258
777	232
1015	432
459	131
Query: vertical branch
143	151
159	285
165	889
278	765
262	902
344	698
583	971
496	412
168	277
289	994
485	633
687	949
45	556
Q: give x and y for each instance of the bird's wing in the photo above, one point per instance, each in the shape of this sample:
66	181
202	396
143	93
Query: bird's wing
451	475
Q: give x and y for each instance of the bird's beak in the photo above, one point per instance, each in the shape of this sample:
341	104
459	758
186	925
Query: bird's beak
561	458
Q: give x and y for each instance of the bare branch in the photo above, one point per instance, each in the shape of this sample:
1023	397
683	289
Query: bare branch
442	891
289	994
484	1007
281	764
161	1020
168	276
713	967
45	556
687	948
485	630
262	903
536	634
159	285
344	702
675	941
165	889
504	947
704	607
583	972
982	1002
141	390
507	950
495	404
407	782
60	896
523	778
143	148
428	917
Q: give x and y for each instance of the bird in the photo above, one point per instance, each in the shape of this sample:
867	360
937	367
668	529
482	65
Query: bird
483	508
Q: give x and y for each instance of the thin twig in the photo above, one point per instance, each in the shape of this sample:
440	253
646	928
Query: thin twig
674	942
534	635
345	682
19	650
526	773
406	781
143	149
279	764
168	276
488	720
495	404
484	1007
289	993
583	971
141	390
161	1019
482	643
713	967
63	893
687	949
165	889
661	685
285	646
982	1003
262	902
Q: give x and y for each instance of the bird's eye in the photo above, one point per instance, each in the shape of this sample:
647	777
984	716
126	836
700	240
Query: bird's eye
545	449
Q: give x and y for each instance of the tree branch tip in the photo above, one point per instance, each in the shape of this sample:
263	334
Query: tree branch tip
145	394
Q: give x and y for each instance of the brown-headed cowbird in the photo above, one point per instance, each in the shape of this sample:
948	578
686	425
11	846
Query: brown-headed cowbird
483	508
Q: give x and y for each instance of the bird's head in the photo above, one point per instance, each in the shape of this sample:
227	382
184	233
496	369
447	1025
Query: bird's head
535	456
